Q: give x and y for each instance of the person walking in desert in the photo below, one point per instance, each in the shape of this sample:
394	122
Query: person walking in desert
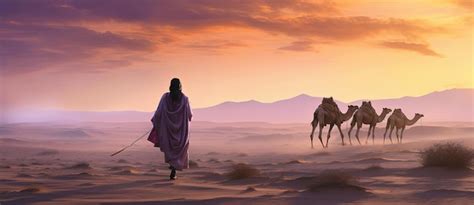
171	127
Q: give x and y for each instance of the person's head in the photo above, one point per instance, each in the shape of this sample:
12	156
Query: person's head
175	89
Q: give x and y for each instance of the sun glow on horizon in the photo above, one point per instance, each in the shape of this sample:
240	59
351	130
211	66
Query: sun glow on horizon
223	51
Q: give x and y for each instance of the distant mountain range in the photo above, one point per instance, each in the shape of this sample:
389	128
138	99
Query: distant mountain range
449	105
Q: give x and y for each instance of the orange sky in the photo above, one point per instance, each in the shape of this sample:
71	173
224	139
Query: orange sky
78	55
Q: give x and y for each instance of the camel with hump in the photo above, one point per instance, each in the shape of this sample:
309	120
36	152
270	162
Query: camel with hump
328	113
399	121
366	114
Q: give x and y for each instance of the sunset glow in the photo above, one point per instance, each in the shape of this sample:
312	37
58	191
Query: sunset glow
110	55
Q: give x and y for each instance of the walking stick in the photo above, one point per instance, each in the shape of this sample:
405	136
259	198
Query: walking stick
138	139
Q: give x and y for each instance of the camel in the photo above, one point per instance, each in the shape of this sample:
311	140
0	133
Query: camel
400	121
367	115
328	114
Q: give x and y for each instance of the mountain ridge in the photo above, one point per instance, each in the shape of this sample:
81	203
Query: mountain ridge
297	109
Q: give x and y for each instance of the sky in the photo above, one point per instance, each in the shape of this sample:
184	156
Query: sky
120	55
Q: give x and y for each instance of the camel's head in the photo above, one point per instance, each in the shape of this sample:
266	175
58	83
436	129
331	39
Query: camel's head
419	115
387	110
352	107
366	104
329	100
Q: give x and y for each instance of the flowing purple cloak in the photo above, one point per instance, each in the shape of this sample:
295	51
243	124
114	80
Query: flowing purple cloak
171	130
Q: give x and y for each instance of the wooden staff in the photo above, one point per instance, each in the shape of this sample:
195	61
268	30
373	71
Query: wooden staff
138	139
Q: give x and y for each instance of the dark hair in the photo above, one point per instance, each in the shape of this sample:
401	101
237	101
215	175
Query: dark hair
175	89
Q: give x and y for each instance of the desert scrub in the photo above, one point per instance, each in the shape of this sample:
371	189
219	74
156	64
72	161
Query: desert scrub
334	179
243	171
450	154
373	167
193	164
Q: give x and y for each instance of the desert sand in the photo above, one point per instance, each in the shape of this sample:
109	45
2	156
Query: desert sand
61	163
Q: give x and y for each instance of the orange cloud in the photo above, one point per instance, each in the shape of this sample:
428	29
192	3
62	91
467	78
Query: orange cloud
467	4
299	46
43	34
215	44
423	49
28	48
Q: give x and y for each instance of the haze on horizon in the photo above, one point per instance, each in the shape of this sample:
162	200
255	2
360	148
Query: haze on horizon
117	55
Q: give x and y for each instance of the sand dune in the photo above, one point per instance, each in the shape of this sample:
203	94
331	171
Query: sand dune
295	162
64	170
445	193
71	133
23	175
439	131
80	175
127	172
11	141
81	165
48	153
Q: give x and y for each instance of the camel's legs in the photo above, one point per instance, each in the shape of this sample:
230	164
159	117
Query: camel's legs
320	132
353	122
329	134
313	124
359	125
368	134
342	135
350	141
401	134
384	136
373	134
386	129
321	126
396	132
390	134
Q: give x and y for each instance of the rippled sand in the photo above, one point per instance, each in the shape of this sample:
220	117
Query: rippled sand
70	164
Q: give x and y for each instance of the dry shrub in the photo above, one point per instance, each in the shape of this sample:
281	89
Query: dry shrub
193	164
47	153
243	171
450	154
249	189
334	179
80	165
30	190
374	167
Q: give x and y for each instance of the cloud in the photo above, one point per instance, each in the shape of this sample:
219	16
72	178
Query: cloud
467	4
44	33
170	12
27	47
289	17
420	48
38	35
343	28
299	46
215	44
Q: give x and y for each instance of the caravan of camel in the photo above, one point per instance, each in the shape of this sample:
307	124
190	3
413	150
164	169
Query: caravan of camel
328	113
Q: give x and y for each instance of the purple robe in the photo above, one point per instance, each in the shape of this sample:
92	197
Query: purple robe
171	130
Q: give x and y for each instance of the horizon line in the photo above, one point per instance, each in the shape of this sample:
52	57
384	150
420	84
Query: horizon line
256	101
